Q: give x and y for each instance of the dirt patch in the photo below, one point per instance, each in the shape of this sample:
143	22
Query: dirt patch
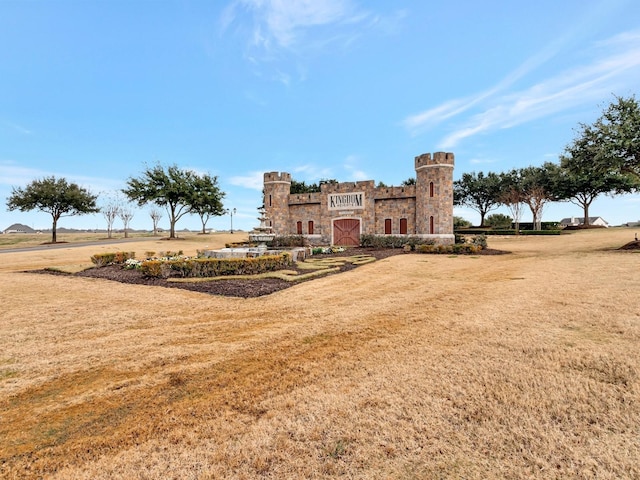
635	245
234	287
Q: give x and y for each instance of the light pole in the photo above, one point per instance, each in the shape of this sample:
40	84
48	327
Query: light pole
232	211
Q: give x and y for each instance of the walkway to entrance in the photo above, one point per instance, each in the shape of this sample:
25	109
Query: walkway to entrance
346	232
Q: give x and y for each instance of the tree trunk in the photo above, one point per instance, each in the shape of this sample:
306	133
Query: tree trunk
172	221
585	207
54	236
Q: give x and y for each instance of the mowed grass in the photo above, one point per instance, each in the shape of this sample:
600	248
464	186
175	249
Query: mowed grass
417	366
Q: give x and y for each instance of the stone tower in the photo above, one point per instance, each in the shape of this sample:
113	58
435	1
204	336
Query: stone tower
434	196
276	200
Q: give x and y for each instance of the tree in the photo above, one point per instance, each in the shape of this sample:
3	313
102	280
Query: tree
615	137
459	222
580	181
155	214
126	214
499	220
511	195
603	158
110	212
478	192
55	196
408	181
172	188
536	186
206	199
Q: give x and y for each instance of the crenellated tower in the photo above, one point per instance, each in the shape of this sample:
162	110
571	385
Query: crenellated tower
277	187
434	196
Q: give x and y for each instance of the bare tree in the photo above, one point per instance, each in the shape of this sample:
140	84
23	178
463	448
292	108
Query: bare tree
156	214
125	212
110	212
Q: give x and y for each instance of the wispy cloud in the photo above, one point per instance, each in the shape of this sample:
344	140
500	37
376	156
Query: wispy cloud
614	65
254	180
16	127
14	175
283	30
352	167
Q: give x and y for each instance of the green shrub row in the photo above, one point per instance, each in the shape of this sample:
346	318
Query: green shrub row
458	248
114	258
214	267
287	241
392	241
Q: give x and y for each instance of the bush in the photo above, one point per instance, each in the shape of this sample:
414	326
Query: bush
287	241
458	248
214	267
459	222
392	241
498	220
115	258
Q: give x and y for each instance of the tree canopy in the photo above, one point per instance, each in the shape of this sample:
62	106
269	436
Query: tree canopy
478	192
55	196
206	200
178	190
615	137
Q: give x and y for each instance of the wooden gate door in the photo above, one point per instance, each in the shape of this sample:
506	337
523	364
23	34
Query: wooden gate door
346	232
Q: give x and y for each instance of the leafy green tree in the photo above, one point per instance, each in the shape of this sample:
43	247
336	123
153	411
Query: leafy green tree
511	195
206	199
537	189
409	181
604	157
499	220
302	187
55	196
579	181
173	188
478	192
615	138
459	222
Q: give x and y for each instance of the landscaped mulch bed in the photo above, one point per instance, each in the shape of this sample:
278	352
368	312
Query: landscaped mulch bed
233	287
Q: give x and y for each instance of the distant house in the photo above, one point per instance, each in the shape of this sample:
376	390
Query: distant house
575	221
18	228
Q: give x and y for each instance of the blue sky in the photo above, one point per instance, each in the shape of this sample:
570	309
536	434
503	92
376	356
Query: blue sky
347	89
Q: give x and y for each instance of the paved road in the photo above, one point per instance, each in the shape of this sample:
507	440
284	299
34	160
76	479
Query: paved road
55	246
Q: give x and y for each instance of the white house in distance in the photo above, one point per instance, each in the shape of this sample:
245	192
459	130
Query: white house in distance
575	221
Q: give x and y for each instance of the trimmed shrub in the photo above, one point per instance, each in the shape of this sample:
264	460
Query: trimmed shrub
115	258
458	248
287	241
392	241
214	267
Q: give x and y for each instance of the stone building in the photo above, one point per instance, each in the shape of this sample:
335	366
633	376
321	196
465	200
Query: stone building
341	212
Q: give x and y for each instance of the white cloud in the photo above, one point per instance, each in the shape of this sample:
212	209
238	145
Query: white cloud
254	180
351	166
615	65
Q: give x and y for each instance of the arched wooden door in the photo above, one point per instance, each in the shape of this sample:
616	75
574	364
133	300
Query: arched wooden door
346	232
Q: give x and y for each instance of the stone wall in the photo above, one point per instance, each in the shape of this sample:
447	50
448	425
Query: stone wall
427	206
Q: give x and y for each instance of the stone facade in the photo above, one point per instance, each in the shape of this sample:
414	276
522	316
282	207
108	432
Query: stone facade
341	212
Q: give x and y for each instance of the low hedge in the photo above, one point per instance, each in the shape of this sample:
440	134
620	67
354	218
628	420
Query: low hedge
458	248
214	267
114	258
392	241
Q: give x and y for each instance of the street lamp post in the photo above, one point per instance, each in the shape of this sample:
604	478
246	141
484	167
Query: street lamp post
232	212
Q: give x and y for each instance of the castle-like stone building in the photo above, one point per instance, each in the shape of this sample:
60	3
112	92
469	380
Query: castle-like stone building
341	212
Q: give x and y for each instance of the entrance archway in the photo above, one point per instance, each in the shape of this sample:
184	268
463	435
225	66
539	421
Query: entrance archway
346	232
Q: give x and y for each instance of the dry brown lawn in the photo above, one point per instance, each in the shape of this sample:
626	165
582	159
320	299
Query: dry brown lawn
417	366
